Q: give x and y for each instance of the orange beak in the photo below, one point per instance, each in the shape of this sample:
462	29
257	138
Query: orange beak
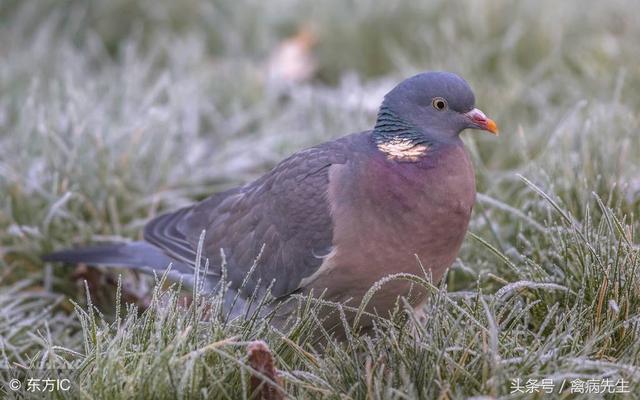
480	121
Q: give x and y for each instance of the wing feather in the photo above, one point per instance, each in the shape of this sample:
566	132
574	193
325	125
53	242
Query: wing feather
286	210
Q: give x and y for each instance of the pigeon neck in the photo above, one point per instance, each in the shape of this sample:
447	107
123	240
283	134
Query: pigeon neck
398	138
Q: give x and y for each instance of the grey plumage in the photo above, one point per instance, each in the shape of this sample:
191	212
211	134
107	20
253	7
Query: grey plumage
137	255
336	217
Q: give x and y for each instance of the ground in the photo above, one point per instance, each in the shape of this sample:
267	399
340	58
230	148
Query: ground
112	111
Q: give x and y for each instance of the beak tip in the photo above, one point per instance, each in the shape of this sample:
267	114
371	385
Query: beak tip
493	127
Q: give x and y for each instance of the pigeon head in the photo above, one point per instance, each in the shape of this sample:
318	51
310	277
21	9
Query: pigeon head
427	109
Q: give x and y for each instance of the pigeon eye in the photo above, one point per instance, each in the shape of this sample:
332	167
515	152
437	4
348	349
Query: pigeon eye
439	103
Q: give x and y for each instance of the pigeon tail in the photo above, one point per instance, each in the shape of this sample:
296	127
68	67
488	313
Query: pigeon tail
147	258
135	255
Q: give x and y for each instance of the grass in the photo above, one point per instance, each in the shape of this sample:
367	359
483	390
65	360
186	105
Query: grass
113	111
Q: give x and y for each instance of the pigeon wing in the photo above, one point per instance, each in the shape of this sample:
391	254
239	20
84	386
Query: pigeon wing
281	222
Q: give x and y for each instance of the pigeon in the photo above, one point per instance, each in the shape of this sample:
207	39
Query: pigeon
332	220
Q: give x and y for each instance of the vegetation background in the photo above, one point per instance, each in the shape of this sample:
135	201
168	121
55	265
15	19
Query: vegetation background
112	111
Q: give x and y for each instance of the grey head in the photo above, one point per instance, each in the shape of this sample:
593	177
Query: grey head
429	108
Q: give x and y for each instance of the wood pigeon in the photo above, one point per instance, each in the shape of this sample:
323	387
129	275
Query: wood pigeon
335	218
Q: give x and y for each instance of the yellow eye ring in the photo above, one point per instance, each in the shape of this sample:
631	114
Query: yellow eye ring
439	103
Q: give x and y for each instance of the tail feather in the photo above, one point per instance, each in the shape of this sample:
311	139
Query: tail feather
135	254
142	256
148	258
